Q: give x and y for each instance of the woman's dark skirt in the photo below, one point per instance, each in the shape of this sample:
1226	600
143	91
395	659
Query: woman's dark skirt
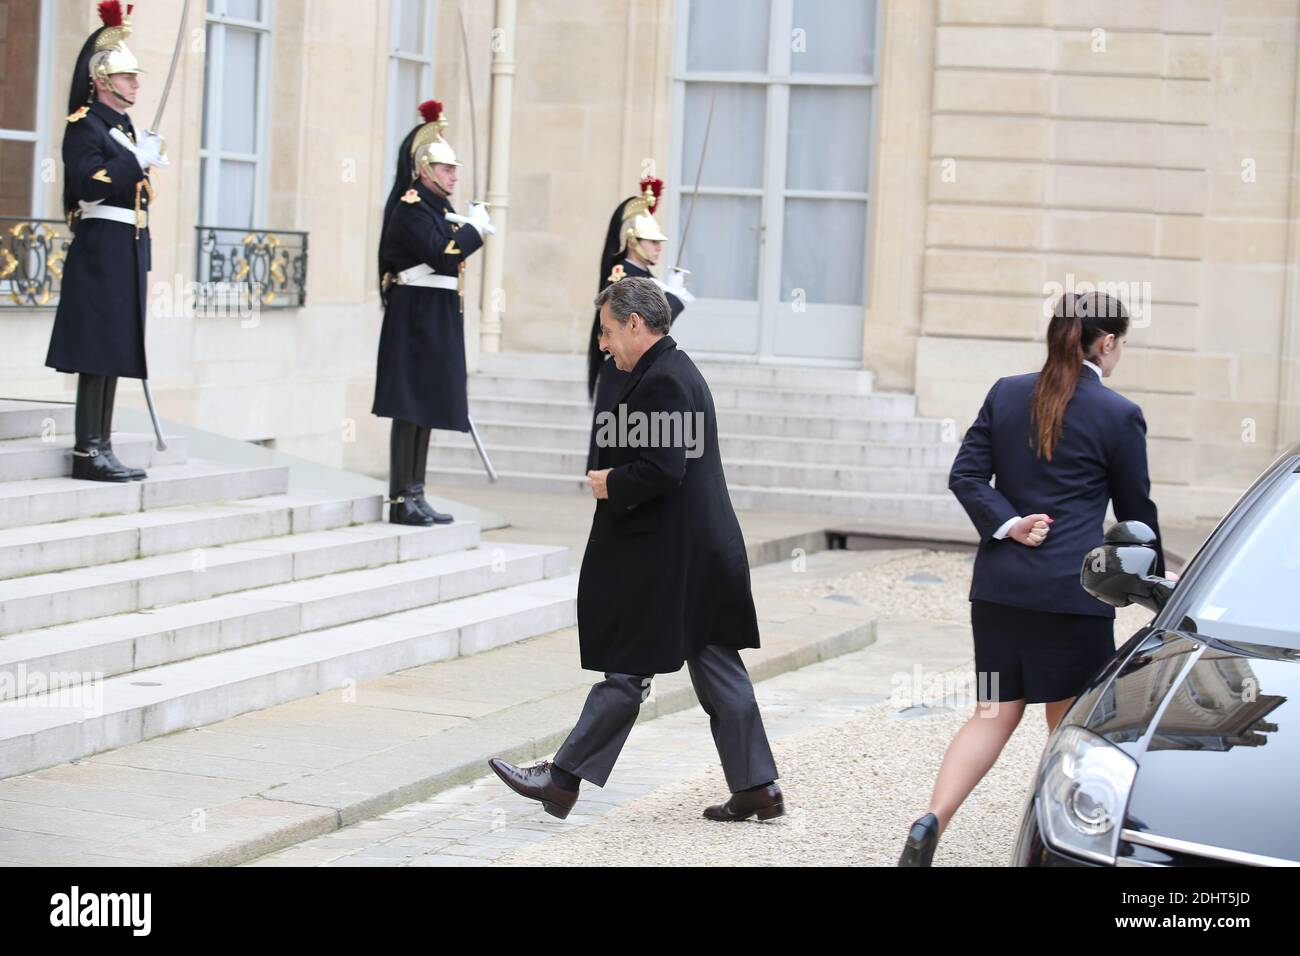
1036	656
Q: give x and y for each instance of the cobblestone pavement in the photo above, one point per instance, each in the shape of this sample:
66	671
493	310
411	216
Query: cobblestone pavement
857	739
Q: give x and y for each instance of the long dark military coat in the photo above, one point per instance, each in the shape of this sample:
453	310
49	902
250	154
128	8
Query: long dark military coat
99	324
665	569
421	368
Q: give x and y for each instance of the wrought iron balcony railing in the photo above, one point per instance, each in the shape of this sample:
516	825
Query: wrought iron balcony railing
31	261
250	269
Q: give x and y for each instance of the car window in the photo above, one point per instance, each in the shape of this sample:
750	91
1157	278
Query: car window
1251	590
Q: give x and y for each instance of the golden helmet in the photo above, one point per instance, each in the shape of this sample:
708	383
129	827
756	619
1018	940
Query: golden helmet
638	213
111	53
428	147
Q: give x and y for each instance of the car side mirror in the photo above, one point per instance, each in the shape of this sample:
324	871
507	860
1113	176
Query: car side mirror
1119	572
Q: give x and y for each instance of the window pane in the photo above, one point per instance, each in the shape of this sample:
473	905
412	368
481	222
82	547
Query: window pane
735	156
235	195
16	178
727	35
837	37
823	252
829	138
411	25
239	92
244	9
722	248
20	22
409	96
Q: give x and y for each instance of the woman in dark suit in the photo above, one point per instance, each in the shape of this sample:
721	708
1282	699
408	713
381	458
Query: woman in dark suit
1060	445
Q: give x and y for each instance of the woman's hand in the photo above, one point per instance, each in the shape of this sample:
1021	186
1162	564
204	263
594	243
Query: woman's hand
1030	530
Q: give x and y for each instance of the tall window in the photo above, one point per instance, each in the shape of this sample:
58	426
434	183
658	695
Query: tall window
777	241
235	81
24	78
410	72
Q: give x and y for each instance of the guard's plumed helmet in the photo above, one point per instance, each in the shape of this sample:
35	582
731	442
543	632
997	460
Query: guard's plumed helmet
111	53
103	54
638	212
429	147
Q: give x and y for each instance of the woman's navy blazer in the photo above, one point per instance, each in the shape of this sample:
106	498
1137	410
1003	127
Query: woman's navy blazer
1101	456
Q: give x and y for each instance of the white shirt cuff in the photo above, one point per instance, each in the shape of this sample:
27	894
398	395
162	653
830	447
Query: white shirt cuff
1002	531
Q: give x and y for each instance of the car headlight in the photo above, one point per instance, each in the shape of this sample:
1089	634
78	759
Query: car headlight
1083	789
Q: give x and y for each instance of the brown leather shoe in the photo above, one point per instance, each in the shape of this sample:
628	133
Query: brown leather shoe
766	804
535	783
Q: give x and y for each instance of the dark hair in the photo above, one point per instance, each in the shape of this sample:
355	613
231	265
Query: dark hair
1078	321
639	295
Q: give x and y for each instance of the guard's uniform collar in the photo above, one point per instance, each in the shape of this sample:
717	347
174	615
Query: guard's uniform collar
112	117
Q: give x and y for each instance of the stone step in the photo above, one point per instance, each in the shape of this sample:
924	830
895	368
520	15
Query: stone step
573	368
87	542
777	421
22	459
20	419
758	446
45	500
927	431
119	644
464	457
77	721
46	600
891	508
871	405
517	480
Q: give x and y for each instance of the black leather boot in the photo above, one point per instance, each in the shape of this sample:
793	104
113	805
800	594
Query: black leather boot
421	458
110	396
402	508
88	462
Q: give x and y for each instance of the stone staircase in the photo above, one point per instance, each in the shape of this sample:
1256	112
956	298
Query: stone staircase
793	439
128	611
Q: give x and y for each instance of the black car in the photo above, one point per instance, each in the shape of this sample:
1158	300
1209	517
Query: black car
1185	749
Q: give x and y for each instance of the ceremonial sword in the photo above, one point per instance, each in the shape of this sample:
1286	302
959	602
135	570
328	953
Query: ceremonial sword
695	195
161	443
473	134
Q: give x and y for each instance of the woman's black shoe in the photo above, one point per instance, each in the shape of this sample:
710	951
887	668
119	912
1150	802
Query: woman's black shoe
921	842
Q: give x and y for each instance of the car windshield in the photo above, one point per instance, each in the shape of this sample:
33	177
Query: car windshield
1251	591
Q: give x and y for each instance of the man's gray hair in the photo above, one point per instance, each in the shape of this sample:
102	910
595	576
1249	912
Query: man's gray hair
639	295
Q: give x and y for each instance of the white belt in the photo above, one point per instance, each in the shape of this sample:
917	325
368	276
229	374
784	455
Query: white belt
423	275
115	213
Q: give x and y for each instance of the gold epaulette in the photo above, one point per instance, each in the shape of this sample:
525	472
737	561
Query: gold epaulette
616	273
410	196
80	112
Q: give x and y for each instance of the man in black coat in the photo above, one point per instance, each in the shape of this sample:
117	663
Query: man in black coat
420	380
99	324
665	578
633	244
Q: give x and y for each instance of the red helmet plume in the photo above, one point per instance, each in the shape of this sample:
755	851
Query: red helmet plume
431	110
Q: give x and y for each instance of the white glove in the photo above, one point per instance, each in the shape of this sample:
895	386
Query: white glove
478	218
148	151
676	284
155	150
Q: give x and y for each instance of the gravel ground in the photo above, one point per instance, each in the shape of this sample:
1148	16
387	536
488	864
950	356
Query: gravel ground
851	788
932	586
851	792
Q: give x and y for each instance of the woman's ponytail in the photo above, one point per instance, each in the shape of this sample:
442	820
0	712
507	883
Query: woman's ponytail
1077	322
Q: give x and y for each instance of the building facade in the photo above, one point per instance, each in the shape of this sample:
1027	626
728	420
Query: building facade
902	186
